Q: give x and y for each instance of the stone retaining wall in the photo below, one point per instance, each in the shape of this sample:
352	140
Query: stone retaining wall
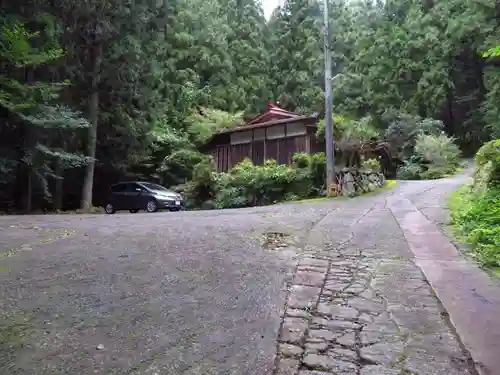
356	182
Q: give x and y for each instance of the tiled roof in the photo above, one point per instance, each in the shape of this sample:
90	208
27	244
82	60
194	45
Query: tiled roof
273	113
273	116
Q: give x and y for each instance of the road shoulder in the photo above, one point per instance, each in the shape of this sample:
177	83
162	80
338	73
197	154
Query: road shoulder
469	295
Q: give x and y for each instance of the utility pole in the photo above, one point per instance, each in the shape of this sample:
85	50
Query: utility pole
330	156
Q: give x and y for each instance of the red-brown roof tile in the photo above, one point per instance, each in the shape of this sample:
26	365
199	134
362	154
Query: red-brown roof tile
273	113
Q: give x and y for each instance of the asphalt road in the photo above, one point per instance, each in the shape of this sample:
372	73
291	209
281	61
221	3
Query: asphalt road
165	293
169	293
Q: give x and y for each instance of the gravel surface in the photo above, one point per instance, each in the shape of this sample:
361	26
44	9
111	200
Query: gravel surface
211	292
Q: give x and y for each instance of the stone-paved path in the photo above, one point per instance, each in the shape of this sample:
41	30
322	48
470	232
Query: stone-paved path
197	293
364	307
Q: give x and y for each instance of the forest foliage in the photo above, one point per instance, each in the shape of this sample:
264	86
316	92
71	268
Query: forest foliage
475	208
98	91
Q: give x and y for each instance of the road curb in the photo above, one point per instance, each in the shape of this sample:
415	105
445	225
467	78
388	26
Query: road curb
468	294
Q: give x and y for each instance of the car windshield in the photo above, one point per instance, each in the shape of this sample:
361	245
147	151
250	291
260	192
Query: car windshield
152	186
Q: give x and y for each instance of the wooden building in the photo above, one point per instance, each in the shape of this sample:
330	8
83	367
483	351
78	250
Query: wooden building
276	134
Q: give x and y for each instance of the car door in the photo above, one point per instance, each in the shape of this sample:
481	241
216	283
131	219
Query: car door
117	197
135	195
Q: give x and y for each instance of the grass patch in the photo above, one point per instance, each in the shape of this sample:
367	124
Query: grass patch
476	221
89	211
16	329
456	172
389	185
58	235
312	200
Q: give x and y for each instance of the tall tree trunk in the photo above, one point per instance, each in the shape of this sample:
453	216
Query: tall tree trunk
27	200
58	189
88	182
30	140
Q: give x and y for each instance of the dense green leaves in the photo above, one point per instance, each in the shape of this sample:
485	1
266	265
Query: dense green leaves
156	82
296	57
476	218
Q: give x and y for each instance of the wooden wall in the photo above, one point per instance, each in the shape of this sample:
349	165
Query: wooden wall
278	142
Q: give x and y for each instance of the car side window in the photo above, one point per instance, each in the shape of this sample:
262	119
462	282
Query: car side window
132	188
118	188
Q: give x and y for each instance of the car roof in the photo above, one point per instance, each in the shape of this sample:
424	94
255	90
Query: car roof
124	182
130	182
135	182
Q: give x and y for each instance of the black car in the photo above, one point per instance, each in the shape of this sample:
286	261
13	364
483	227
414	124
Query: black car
135	196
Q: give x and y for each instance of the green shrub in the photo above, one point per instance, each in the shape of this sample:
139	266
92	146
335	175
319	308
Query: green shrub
409	171
178	166
301	160
490	151
488	165
203	185
434	173
439	151
372	164
250	185
402	130
434	156
247	184
476	216
317	169
315	166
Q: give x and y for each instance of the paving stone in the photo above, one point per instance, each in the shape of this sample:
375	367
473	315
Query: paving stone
288	366
348	339
338	325
362	275
336	311
383	353
303	296
379	370
313	269
341	263
336	286
423	321
365	305
343	353
320	334
366	318
325	362
289	350
293	330
314	347
297	313
339	274
355	289
382	297
381	330
307	261
438	343
417	362
336	272
309	278
351	252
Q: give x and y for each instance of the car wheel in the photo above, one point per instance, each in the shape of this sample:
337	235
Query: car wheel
134	211
151	206
109	208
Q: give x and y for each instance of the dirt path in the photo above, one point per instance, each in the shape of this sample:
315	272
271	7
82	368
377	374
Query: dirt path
204	293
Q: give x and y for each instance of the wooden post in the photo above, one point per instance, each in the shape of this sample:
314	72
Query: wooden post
265	144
